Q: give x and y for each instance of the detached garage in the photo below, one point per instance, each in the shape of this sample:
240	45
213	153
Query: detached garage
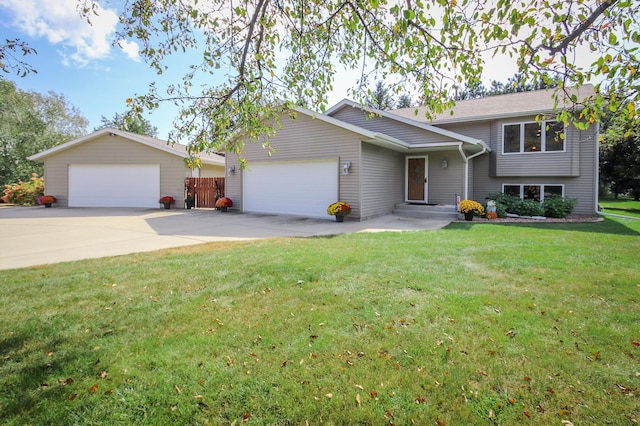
113	168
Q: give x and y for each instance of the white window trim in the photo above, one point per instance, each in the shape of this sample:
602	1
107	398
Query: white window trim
541	185
543	137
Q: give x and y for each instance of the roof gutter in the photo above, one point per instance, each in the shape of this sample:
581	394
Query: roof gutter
466	159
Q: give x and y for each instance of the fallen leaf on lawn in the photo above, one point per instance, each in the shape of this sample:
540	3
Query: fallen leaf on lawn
388	414
246	417
359	387
526	413
512	401
564	412
73	396
177	389
349	363
284	363
68	381
635	343
102	374
358	402
94	388
440	423
567	423
329	395
482	373
421	400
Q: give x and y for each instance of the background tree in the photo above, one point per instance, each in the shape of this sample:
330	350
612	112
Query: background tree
29	123
404	101
292	49
380	98
136	124
620	157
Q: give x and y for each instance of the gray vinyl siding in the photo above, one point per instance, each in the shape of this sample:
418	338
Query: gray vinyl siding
389	127
565	163
580	182
305	138
444	184
382	180
108	150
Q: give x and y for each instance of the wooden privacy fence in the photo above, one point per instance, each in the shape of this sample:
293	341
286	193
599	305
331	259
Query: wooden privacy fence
205	190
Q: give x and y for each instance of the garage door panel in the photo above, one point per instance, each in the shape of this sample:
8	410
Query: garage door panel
294	188
114	185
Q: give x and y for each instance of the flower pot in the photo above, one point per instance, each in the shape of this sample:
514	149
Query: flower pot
223	209
167	206
468	216
339	218
47	205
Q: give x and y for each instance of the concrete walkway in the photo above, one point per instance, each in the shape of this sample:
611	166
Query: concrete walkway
32	236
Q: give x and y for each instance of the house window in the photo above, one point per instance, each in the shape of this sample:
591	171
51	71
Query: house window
546	136
534	192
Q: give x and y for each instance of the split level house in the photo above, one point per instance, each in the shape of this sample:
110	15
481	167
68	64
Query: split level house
380	161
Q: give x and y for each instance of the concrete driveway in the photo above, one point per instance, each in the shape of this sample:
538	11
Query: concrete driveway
32	236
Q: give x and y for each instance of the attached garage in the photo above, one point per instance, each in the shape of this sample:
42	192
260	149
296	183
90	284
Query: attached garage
299	188
114	168
114	185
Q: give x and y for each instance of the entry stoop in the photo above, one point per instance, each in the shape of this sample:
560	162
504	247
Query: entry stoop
444	212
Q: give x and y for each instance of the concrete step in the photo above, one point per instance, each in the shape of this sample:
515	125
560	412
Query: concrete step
447	212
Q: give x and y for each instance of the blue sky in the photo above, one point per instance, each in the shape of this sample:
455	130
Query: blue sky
79	60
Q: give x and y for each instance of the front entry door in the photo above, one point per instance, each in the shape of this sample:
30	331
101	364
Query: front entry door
417	178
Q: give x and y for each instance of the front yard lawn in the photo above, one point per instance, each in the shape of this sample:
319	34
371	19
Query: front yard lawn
472	324
621	206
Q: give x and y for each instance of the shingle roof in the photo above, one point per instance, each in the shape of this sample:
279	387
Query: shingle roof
175	149
490	107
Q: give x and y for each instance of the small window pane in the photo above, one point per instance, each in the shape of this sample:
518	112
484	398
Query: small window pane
512	190
552	190
532	137
554	136
512	138
531	192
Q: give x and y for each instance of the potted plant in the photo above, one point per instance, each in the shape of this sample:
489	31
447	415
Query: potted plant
339	209
469	208
224	203
47	200
167	201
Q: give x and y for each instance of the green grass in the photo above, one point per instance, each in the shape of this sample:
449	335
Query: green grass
472	324
622	206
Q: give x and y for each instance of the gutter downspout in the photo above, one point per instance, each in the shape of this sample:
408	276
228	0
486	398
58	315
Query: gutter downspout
466	159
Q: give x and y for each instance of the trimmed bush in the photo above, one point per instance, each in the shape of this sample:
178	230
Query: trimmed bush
529	208
556	206
24	193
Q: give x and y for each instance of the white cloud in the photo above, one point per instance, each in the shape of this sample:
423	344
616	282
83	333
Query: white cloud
60	24
130	48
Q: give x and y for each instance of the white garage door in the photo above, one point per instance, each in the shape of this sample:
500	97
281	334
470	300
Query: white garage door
114	185
304	188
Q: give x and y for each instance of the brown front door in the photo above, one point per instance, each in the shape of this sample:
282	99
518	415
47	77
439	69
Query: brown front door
417	179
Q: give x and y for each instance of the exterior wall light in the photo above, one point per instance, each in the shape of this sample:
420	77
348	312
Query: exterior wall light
445	164
232	170
345	167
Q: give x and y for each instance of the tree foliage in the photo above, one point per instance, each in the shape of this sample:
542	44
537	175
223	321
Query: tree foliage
10	62
271	51
29	123
135	124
